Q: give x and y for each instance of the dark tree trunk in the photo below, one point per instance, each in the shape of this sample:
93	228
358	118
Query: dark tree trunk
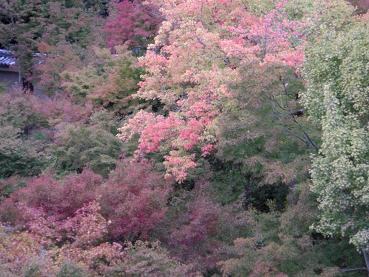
27	85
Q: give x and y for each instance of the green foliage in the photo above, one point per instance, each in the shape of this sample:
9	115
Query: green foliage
263	148
104	120
149	259
79	147
228	185
17	155
2	88
21	150
23	24
33	270
337	72
296	9
70	270
79	84
108	81
329	31
282	243
9	185
17	111
259	7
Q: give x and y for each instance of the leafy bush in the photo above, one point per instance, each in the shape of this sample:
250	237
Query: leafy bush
282	243
59	199
133	199
79	147
132	22
17	110
104	120
336	98
18	155
108	81
150	259
9	185
23	149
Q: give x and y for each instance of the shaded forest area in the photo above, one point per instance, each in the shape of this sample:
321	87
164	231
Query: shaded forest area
185	138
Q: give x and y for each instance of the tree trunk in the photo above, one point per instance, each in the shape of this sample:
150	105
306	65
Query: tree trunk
366	258
27	85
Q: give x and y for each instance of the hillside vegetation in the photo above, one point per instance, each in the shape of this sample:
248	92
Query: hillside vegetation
185	138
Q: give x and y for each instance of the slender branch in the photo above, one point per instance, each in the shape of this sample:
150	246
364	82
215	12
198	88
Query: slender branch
345	270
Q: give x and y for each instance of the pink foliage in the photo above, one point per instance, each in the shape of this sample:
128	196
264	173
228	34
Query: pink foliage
60	109
272	38
136	125
206	149
192	91
189	69
133	200
132	22
154	134
202	220
190	133
178	165
87	226
194	237
45	202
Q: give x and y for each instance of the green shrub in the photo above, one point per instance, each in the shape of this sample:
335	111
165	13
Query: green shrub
70	270
80	147
17	155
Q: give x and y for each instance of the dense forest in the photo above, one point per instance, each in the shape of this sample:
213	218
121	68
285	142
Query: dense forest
175	138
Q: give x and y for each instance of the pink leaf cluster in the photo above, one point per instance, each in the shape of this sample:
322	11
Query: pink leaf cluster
131	22
178	165
272	38
202	220
133	200
60	109
82	209
154	134
87	226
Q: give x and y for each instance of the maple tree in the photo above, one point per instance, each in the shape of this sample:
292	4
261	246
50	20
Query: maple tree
193	94
190	91
133	23
108	81
133	200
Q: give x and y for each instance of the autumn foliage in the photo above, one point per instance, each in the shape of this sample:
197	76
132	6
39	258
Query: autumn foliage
133	199
134	23
184	138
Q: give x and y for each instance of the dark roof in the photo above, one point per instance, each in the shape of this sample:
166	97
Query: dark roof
7	58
